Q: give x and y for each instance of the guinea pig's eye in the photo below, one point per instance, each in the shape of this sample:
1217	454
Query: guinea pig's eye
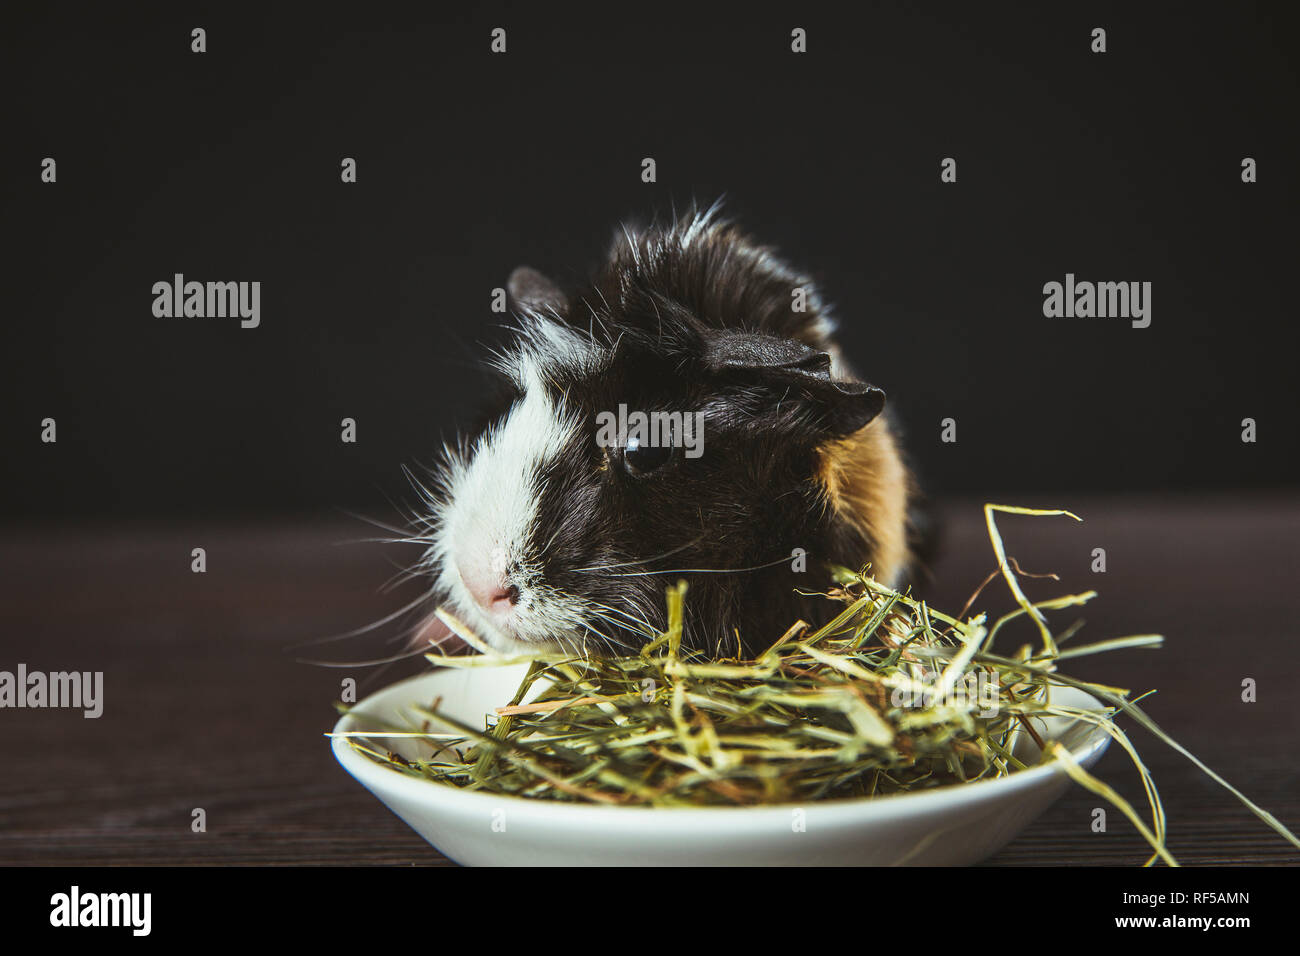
639	458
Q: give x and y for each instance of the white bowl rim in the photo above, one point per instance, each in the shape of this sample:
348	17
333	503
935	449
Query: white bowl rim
881	808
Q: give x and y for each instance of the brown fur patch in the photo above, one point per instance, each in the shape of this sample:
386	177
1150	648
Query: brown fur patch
869	487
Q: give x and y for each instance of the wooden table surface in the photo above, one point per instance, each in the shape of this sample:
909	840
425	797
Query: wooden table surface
204	707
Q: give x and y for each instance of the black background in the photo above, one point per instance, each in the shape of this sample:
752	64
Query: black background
225	166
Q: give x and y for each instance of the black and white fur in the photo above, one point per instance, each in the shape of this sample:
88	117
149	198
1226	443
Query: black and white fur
538	538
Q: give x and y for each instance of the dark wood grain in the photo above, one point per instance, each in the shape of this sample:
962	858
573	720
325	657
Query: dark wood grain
205	708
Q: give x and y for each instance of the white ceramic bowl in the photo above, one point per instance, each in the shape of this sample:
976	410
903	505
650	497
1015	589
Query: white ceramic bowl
952	825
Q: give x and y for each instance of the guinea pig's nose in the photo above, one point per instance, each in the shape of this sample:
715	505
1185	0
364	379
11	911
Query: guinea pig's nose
497	600
491	593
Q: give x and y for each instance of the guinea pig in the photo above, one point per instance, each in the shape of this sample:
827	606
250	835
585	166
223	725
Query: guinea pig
560	524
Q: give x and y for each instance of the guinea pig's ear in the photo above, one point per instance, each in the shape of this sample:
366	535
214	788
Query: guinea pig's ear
792	370
536	293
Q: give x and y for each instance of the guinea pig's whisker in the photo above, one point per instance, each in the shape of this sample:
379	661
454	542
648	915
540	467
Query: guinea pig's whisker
757	567
640	621
619	624
614	646
600	616
376	523
551	542
429	496
422	540
362	630
628	564
404	574
417	652
627	615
